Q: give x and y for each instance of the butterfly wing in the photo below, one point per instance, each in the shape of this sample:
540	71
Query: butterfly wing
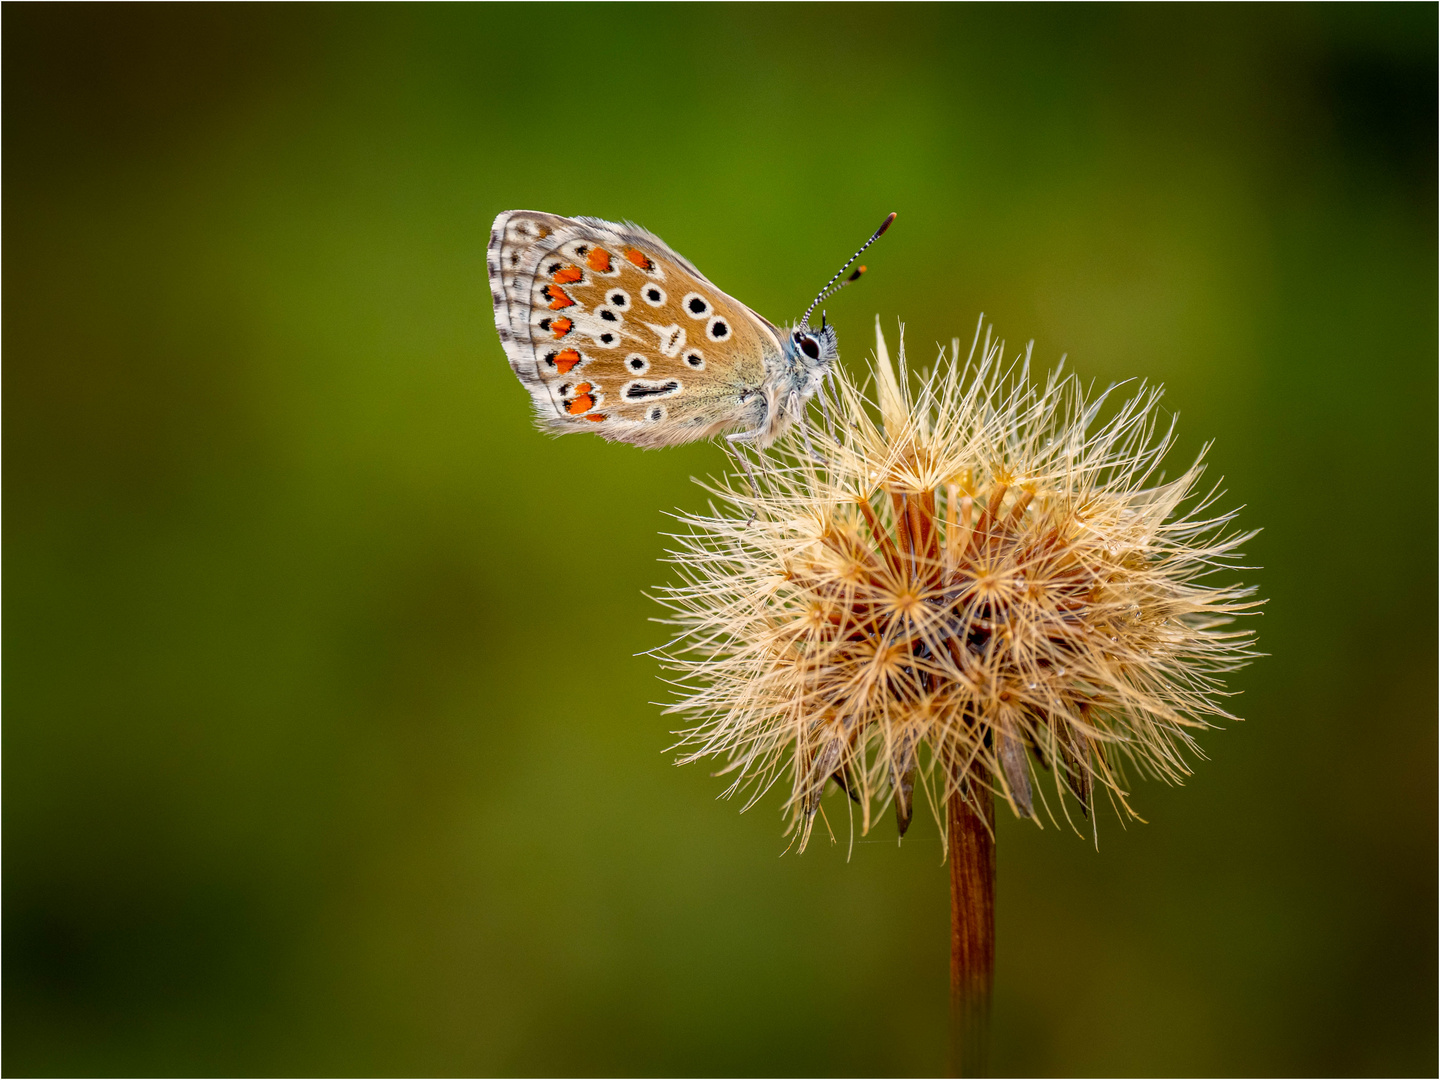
613	332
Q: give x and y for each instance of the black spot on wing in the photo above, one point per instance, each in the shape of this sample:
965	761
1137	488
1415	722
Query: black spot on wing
639	391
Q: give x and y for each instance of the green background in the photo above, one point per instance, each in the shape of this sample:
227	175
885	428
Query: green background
326	749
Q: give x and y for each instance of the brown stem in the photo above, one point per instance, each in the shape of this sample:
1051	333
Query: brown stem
972	924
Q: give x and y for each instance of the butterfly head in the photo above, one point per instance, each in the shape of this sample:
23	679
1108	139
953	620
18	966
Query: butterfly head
811	348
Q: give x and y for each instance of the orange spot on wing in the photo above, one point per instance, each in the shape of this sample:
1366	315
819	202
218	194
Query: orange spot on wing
583	401
568	275
597	417
558	297
566	359
560	327
639	258
598	260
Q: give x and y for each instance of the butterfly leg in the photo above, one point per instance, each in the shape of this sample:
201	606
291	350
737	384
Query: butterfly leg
825	407
798	411
735	440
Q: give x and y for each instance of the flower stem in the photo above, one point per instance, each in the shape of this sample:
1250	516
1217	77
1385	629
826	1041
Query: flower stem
972	925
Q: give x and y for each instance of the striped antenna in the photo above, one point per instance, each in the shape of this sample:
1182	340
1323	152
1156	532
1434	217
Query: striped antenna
828	290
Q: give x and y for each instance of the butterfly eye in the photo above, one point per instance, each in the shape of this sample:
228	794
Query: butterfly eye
808	345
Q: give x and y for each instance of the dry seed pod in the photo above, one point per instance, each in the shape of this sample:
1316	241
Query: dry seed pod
982	572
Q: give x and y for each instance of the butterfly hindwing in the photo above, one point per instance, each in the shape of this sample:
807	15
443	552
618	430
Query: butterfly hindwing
613	332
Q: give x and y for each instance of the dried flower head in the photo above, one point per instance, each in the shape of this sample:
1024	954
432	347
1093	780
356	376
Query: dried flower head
984	582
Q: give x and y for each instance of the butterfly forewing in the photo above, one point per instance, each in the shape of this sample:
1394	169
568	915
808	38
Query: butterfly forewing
613	332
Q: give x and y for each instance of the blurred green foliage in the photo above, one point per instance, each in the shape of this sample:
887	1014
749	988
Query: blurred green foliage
326	749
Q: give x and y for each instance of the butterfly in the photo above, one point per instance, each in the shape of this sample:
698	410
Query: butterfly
613	331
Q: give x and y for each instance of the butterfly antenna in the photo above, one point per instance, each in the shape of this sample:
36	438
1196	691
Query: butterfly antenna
828	290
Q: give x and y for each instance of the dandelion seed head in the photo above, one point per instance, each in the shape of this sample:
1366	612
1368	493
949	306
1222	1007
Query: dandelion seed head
970	578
